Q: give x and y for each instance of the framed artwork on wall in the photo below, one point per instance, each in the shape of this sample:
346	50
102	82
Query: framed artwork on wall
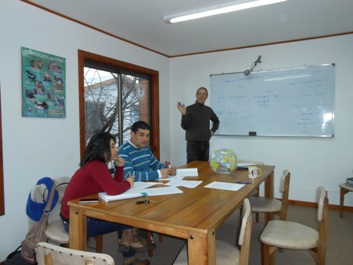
43	84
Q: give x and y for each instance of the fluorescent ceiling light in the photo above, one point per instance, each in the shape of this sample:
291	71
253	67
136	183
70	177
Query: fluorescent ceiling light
218	9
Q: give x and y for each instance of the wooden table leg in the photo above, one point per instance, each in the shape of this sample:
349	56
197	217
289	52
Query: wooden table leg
269	192
342	193
78	224
202	248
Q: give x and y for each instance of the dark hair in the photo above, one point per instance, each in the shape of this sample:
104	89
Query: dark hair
202	88
98	148
140	125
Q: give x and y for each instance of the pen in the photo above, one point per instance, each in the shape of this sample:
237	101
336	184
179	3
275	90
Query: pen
243	182
144	202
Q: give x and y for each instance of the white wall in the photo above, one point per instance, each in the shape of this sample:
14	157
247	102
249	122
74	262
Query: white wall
38	147
312	161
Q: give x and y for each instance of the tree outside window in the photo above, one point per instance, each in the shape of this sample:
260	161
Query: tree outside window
109	101
113	95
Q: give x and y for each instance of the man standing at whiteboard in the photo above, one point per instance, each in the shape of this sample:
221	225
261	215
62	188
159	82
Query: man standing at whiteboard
195	120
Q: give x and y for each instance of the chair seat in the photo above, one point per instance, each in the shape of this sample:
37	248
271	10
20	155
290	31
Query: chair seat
289	235
344	186
265	205
56	232
226	254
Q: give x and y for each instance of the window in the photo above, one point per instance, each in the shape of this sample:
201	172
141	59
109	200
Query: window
113	95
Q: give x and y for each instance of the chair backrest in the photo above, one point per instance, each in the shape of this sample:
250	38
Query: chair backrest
284	189
49	254
61	185
39	193
245	233
322	216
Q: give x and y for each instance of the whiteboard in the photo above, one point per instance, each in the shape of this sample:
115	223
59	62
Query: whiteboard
282	102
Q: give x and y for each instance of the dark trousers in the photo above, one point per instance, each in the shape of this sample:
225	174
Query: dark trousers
197	150
97	227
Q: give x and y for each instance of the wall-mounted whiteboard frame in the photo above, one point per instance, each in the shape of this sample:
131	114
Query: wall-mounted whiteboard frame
283	102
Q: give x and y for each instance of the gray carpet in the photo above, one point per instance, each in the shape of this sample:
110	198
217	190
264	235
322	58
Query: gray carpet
339	244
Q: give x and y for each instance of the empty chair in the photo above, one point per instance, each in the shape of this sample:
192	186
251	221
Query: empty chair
270	206
50	254
228	254
257	191
55	230
280	234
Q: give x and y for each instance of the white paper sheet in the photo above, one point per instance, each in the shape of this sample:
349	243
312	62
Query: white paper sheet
162	191
187	172
244	165
183	183
126	195
138	190
225	186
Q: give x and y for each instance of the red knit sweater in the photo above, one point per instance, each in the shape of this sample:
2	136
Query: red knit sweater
92	178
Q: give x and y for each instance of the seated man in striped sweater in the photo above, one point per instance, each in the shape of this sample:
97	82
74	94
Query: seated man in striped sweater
139	159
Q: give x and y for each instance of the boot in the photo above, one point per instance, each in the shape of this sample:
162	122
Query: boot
124	242
131	240
135	261
137	244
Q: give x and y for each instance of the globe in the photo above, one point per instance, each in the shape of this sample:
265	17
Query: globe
223	161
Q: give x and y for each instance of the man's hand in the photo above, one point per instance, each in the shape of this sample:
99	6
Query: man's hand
181	108
172	170
165	172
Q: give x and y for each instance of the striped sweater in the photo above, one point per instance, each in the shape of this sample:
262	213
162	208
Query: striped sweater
140	162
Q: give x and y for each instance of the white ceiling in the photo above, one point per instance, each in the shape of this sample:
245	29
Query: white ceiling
141	22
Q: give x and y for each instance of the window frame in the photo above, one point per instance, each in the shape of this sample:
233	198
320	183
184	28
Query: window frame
154	95
2	194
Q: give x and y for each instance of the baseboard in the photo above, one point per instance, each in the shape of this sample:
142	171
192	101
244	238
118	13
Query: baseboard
314	205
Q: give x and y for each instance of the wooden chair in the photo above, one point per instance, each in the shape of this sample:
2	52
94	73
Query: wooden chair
55	230
50	254
228	254
344	189
280	234
270	206
257	191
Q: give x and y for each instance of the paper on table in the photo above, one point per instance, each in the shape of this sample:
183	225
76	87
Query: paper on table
162	191
225	186
171	178
244	165
138	190
126	195
187	172
139	185
184	183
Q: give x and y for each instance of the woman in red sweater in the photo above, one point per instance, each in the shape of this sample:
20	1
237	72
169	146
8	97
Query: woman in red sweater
93	177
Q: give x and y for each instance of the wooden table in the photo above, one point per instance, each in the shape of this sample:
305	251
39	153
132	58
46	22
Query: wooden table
193	215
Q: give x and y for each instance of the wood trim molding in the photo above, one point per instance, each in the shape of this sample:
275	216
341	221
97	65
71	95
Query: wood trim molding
186	54
2	192
154	93
333	207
